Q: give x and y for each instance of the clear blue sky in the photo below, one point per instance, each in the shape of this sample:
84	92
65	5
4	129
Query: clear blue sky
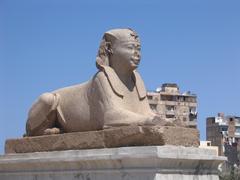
48	44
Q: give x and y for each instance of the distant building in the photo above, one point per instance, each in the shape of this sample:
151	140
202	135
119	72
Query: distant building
224	132
170	104
208	145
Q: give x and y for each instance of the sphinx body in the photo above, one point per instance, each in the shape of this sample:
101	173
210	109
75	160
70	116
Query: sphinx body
115	96
102	102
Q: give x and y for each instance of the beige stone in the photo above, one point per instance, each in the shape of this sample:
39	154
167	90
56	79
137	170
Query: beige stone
108	138
115	96
124	163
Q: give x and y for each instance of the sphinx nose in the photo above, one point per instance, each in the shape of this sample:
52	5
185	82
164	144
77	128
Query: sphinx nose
137	54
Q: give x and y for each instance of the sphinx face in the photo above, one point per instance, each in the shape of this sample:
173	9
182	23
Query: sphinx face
127	54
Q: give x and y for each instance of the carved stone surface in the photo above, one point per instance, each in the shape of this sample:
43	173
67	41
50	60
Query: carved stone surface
115	96
126	163
108	138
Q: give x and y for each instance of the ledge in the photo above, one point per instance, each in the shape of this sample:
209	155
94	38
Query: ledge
108	138
148	158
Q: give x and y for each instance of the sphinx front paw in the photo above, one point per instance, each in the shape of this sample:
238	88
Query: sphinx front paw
50	131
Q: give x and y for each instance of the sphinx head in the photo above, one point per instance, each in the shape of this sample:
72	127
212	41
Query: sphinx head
119	48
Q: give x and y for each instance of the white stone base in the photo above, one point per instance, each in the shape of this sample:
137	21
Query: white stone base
126	163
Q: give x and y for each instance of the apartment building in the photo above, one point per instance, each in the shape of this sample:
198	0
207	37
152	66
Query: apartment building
224	132
176	107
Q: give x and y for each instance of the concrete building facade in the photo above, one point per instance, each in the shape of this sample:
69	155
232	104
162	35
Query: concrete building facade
224	132
208	145
176	107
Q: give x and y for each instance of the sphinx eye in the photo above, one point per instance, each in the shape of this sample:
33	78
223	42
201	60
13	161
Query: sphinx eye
130	46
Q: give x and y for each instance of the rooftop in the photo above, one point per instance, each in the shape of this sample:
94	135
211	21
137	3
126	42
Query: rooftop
171	89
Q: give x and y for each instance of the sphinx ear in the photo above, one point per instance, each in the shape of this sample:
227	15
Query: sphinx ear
108	48
105	50
109	41
100	63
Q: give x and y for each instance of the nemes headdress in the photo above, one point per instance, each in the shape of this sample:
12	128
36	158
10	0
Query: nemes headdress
102	62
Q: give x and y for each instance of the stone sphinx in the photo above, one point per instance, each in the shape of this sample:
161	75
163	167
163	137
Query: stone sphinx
115	96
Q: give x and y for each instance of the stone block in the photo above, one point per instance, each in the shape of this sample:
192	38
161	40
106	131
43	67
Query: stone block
125	163
108	138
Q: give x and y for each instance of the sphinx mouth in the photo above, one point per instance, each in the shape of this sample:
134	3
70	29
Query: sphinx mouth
136	60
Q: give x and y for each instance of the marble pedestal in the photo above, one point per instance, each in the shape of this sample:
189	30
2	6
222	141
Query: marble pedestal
125	163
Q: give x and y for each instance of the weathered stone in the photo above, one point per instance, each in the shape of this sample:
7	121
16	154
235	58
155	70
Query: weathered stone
126	163
108	138
115	96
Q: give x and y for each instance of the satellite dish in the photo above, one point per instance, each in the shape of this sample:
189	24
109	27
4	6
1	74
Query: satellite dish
158	89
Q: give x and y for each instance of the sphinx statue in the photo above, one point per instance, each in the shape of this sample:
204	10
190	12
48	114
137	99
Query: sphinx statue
115	96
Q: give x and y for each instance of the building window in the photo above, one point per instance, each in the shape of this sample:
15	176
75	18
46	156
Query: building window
153	106
192	110
238	130
170	116
170	108
191	99
150	97
168	98
225	128
180	98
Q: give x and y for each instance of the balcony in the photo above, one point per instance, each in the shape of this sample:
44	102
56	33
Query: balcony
170	112
237	134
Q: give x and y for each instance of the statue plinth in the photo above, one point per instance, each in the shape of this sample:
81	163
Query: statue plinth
126	163
108	138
